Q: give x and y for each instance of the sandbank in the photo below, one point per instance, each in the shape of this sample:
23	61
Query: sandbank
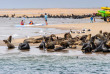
95	28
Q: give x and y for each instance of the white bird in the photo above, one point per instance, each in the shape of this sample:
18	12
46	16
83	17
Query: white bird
27	36
84	29
41	31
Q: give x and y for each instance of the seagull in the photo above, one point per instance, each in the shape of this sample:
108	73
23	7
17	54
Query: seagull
79	32
70	31
84	29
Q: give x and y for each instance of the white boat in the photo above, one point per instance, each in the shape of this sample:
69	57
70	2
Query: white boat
29	25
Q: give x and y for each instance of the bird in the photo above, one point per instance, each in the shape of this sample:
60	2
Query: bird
72	31
84	29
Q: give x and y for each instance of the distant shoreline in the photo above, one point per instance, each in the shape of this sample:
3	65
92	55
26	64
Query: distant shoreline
47	8
52	11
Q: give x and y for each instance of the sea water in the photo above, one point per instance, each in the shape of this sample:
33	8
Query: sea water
36	61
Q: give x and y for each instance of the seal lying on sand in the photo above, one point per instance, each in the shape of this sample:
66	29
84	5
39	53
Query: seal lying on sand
23	46
86	48
8	42
32	40
98	43
58	48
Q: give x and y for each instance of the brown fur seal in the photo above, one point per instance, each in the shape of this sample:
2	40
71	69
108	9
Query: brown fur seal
105	34
78	42
67	36
100	35
65	43
108	43
50	45
108	36
32	40
73	46
58	47
8	42
88	37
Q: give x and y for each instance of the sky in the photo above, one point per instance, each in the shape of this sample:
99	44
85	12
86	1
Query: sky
53	3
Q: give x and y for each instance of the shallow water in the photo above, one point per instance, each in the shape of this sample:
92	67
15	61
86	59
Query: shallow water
7	26
38	61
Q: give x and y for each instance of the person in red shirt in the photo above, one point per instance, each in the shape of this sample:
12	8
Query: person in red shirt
22	22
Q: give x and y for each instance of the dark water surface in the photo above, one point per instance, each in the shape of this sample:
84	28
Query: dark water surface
38	61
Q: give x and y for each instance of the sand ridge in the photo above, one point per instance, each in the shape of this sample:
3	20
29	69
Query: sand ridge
52	11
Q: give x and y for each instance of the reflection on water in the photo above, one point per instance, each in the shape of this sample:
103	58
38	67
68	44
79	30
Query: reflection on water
37	61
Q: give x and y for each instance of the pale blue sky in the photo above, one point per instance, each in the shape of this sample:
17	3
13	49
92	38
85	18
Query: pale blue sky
53	3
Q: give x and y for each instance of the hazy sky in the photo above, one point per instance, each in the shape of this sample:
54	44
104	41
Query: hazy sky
53	3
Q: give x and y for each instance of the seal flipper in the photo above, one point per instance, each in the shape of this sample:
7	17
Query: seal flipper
10	39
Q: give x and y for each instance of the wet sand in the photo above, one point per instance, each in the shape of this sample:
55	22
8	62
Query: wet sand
95	28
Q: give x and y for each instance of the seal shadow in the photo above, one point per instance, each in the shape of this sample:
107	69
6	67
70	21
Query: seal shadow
25	50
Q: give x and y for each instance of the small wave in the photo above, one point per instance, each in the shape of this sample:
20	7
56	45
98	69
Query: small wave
15	35
4	35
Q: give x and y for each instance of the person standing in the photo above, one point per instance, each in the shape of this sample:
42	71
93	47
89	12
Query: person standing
91	18
45	17
108	20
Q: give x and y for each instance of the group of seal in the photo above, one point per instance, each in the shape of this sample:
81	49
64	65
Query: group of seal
51	16
22	46
97	43
56	43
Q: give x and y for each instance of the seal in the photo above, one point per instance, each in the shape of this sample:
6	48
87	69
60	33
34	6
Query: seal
23	46
67	36
8	42
58	48
32	40
86	48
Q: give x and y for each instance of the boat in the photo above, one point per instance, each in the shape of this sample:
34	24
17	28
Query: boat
104	13
105	8
29	25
